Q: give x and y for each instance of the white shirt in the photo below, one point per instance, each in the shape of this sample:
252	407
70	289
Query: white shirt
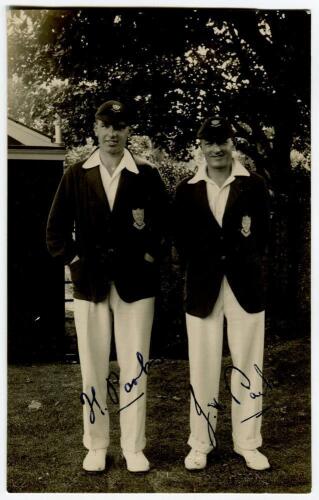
217	196
111	182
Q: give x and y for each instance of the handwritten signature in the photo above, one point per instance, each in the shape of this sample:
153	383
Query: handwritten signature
145	368
246	383
200	412
111	382
84	398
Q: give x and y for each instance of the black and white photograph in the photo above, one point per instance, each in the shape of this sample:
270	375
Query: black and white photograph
159	248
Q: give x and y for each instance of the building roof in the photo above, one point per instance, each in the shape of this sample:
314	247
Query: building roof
27	136
28	143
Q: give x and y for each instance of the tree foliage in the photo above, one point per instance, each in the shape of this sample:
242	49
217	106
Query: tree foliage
175	65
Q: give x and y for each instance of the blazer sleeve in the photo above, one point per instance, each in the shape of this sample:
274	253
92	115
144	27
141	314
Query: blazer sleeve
60	225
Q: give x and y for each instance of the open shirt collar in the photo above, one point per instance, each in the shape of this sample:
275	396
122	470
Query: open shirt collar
126	162
237	170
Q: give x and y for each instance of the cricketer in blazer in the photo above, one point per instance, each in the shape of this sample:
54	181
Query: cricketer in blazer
237	249
110	244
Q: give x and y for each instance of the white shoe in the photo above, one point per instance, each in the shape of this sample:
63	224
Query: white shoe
254	459
95	460
136	462
195	460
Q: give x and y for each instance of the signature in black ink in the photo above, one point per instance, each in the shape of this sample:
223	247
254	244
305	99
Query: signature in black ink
200	412
130	403
111	382
114	398
112	379
145	368
217	405
84	398
247	385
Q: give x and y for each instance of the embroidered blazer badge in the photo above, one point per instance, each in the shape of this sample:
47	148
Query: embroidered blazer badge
138	216
245	225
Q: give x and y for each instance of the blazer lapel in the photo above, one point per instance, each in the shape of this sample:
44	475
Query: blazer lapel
202	200
122	190
236	188
94	181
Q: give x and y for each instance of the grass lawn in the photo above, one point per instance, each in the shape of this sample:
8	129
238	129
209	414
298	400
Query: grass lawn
45	449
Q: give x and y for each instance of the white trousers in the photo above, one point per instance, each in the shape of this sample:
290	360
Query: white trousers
132	331
245	334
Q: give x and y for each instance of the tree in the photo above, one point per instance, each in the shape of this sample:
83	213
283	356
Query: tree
176	65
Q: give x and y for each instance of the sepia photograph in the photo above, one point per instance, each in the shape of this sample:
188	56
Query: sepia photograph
158	249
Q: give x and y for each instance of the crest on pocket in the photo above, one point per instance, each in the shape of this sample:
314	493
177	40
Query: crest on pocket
245	225
138	216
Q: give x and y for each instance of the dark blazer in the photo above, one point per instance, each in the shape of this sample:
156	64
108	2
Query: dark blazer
110	248
209	252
